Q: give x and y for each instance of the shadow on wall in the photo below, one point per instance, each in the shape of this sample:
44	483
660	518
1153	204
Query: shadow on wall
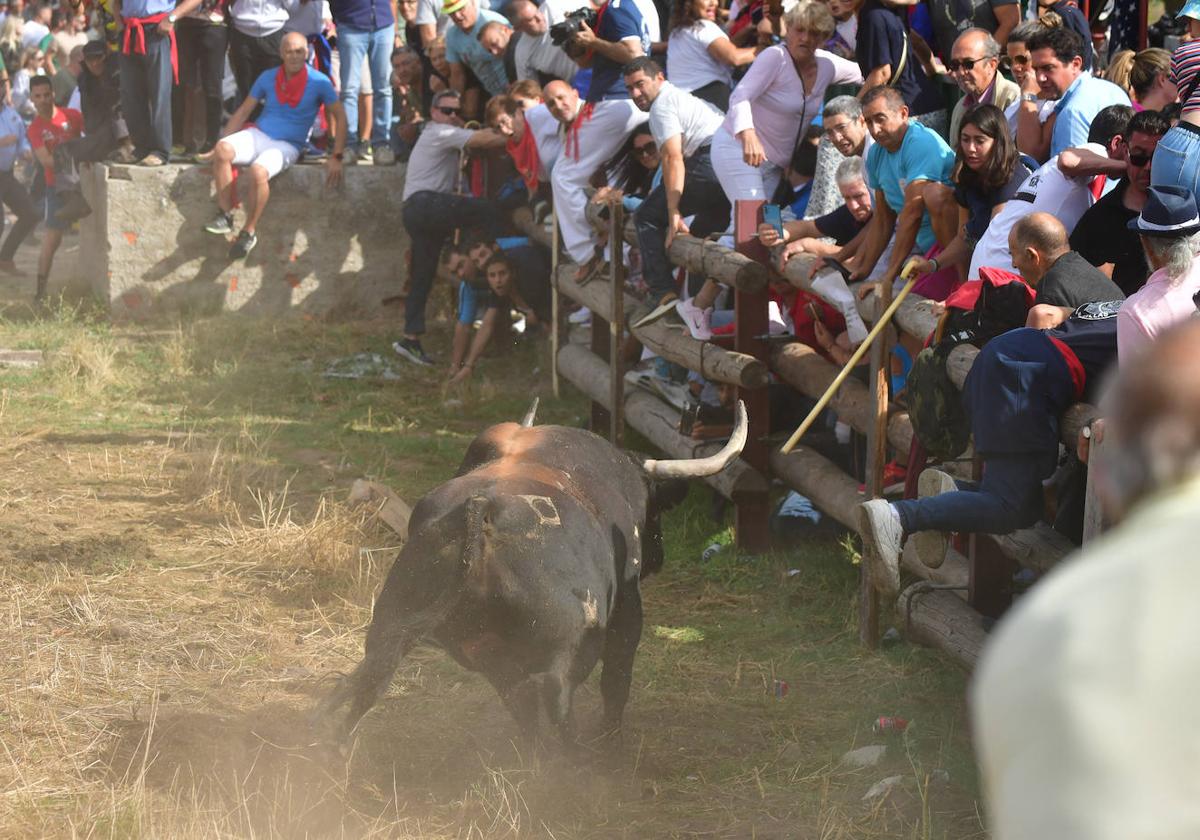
334	254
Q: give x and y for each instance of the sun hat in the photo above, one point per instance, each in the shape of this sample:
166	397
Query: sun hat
1169	211
449	7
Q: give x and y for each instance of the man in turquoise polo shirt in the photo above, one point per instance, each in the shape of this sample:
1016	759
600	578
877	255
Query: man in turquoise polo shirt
464	52
904	167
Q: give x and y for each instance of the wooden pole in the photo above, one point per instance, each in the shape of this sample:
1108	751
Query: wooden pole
616	326
555	312
854	360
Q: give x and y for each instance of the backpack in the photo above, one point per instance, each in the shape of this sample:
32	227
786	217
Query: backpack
975	314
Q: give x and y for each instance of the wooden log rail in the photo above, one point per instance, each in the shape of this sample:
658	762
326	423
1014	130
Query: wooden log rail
699	256
942	617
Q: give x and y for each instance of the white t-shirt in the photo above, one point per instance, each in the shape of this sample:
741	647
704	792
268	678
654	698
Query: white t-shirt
433	164
1047	190
650	18
541	122
677	112
1045	109
689	63
430	11
535	53
33	33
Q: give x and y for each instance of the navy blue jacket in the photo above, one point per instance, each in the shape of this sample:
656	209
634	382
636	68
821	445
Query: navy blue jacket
367	15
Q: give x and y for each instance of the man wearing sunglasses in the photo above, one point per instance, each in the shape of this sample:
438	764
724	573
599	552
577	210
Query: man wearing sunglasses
433	209
974	62
1103	236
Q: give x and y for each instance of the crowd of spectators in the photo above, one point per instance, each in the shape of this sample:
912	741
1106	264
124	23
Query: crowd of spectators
971	141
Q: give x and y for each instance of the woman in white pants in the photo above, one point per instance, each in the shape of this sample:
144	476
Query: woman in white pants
781	94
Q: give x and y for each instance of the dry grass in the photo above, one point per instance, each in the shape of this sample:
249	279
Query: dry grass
178	591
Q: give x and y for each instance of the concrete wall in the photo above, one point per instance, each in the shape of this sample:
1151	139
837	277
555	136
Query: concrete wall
328	253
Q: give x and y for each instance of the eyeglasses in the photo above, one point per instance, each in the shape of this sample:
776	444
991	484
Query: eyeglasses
450	112
646	150
1139	158
1010	60
956	64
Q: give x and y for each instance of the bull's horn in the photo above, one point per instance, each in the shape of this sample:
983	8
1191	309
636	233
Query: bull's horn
531	413
700	467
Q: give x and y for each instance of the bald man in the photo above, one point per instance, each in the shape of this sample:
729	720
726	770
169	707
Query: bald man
291	95
1064	280
1107	636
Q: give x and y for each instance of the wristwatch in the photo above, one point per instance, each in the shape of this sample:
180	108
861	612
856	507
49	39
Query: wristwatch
338	155
171	18
1029	97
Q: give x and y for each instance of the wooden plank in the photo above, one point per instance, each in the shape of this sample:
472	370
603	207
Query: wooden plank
955	571
941	620
823	482
657	422
1038	548
1094	523
522	219
671	341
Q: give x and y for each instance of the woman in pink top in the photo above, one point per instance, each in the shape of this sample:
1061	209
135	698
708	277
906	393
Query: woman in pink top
1169	225
779	97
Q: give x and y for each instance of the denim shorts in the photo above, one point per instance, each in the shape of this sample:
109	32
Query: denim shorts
1177	158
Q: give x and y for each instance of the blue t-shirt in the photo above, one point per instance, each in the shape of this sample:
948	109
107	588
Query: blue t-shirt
283	122
923	156
464	48
618	20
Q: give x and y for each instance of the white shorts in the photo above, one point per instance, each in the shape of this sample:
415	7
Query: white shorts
252	146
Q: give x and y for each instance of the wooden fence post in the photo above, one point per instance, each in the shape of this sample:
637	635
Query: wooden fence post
752	512
877	449
616	326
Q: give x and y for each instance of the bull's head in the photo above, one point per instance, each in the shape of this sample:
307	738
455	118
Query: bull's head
701	467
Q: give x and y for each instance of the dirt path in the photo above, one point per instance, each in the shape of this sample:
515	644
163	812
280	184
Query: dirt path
175	602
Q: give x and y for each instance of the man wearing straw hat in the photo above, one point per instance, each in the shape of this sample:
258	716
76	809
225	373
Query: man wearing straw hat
465	53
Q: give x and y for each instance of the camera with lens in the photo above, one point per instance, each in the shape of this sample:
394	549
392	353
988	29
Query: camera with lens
565	29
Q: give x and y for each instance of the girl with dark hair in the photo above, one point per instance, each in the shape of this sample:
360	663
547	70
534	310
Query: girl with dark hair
988	171
700	56
635	170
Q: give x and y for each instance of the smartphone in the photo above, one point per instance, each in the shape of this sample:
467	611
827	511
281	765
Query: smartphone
773	217
814	311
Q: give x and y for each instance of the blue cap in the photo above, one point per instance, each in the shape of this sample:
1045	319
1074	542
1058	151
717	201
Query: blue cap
1169	211
1190	9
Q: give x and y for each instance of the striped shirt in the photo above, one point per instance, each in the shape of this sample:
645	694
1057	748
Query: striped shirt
1185	64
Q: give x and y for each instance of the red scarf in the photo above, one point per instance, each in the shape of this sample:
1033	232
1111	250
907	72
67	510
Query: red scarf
525	156
290	91
135	28
572	138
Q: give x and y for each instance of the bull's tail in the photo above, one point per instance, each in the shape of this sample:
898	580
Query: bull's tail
396	627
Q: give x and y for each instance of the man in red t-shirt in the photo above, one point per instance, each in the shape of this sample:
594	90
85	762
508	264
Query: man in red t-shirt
50	127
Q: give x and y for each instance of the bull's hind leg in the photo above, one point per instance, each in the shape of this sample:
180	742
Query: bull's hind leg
620	647
368	682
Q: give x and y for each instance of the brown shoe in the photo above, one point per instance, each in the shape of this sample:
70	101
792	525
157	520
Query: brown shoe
152	159
10	267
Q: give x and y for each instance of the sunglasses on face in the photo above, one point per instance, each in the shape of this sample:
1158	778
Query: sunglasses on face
1010	61
1139	158
956	64
449	112
645	150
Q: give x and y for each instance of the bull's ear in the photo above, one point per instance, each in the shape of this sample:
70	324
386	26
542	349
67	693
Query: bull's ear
665	495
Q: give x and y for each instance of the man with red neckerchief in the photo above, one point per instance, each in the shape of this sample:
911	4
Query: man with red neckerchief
290	95
149	67
50	127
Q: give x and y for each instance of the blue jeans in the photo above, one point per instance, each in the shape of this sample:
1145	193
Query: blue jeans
702	195
1177	158
146	82
353	44
1009	497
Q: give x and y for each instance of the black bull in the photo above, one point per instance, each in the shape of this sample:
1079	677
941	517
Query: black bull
525	567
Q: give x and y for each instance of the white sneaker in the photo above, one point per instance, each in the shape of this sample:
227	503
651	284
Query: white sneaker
580	316
881	532
698	321
931	546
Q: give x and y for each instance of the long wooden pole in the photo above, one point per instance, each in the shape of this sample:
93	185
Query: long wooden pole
555	314
879	327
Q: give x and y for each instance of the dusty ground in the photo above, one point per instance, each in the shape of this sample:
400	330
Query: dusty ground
180	580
